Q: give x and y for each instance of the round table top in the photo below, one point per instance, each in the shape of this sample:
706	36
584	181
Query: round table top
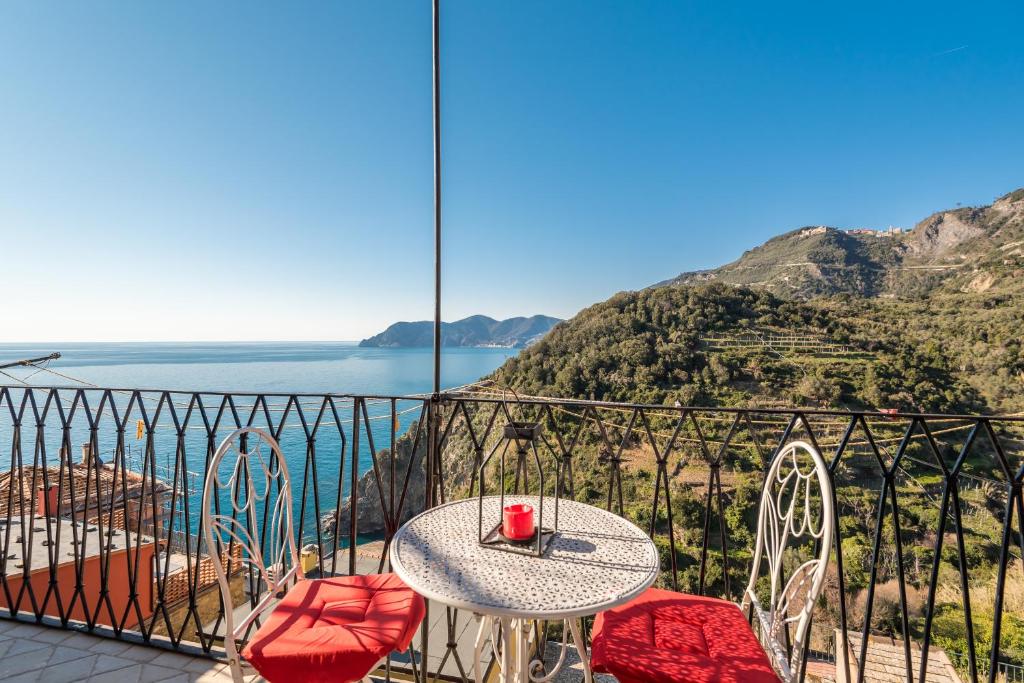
596	561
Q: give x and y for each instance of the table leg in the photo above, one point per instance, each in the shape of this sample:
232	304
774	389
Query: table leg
523	651
514	658
581	648
483	630
507	635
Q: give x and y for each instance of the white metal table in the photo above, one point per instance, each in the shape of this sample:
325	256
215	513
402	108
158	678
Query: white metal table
596	561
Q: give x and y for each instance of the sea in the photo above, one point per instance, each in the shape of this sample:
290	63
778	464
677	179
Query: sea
276	367
279	368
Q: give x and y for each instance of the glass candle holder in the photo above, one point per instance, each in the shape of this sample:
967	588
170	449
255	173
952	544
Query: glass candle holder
517	521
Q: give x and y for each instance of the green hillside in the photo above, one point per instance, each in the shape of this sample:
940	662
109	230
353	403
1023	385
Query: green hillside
659	346
720	345
977	336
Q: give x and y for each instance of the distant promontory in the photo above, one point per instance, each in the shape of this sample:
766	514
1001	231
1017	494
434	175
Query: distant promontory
476	330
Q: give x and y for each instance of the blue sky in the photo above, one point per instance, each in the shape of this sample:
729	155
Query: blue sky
222	171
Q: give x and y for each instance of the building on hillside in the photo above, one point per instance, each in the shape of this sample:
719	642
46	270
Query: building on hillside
85	524
869	232
886	661
51	551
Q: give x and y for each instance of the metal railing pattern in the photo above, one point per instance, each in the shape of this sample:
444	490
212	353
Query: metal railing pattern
372	461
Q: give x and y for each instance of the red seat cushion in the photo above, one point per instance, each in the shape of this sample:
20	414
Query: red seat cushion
335	629
667	637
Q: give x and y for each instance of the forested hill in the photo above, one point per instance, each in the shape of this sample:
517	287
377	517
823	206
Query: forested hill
476	330
720	345
965	249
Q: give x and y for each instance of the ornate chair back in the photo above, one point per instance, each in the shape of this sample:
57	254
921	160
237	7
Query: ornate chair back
247	527
795	516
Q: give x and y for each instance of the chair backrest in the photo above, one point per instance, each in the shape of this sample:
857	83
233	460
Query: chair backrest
796	512
247	524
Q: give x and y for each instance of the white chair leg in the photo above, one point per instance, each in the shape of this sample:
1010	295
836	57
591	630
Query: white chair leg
366	678
234	660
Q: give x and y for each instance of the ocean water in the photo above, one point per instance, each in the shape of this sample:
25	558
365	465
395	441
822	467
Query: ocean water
246	368
293	367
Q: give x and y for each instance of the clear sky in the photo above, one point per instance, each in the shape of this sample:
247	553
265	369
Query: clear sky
222	171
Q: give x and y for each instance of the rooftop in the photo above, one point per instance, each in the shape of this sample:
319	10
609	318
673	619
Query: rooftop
104	481
886	661
62	539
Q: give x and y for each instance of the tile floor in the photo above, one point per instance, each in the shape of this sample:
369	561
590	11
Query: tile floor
29	652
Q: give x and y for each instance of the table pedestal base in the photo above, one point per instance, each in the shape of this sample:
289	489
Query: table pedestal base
516	638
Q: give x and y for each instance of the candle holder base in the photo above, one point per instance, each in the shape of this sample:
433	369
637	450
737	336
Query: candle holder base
526	546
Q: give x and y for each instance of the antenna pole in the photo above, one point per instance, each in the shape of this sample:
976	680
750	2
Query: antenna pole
437	196
29	361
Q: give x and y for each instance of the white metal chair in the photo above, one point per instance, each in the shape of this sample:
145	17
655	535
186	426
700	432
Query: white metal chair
337	628
234	501
797	483
695	638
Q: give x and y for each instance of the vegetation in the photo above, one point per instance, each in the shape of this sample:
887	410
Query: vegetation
975	337
646	347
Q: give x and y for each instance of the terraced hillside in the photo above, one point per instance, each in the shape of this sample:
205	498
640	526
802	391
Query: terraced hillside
966	249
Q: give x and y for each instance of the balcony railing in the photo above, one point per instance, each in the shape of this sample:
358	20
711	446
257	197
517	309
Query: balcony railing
929	507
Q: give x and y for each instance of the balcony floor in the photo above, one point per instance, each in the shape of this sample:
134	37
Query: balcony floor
29	652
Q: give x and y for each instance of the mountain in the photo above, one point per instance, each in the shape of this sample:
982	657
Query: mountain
965	249
476	330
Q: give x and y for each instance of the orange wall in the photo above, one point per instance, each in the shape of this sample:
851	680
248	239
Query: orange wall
117	586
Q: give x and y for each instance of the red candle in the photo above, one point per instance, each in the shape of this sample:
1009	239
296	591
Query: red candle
517	521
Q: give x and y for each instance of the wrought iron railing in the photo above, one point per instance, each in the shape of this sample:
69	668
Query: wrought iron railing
929	507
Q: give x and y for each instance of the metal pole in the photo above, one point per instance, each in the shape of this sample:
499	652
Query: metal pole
432	422
437	197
